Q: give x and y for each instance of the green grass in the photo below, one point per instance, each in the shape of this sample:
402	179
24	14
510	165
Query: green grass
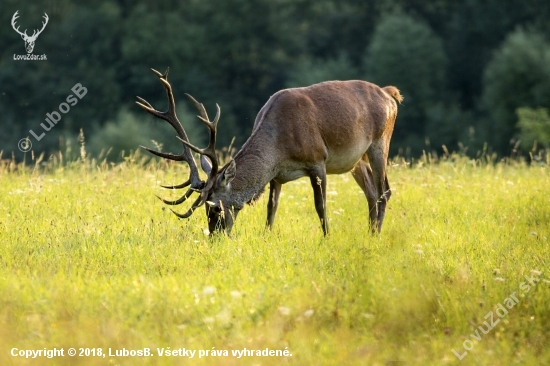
90	258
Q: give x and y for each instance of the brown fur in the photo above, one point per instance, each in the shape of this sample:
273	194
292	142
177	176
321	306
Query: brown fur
328	128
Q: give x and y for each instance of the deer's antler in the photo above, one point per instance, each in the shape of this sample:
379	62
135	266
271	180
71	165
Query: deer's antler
195	183
209	151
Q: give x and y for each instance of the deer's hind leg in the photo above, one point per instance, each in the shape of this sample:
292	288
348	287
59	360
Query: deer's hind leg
362	173
273	202
378	155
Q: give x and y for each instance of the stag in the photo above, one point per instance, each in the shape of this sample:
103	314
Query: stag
332	127
29	40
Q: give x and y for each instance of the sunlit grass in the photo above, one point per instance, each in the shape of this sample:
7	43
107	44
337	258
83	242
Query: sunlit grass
90	258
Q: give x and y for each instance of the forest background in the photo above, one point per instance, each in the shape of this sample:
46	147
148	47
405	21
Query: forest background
475	74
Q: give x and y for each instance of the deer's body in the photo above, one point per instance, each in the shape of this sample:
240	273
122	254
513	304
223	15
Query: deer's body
329	128
333	123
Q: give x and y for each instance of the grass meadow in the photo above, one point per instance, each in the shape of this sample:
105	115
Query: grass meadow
89	258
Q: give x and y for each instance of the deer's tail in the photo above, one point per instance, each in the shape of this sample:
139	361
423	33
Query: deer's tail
393	92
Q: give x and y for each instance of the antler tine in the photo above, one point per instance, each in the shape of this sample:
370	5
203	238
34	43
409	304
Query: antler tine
178	186
199	106
198	202
179	200
168	156
218	113
213	124
144	104
162	76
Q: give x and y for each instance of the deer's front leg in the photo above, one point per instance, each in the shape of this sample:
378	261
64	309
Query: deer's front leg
318	178
273	203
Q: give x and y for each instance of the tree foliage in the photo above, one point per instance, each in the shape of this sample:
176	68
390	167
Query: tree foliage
310	71
406	53
454	61
517	76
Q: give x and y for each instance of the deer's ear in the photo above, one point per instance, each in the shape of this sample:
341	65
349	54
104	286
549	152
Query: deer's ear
206	165
229	173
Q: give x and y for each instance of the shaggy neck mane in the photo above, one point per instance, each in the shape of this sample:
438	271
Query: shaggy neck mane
255	167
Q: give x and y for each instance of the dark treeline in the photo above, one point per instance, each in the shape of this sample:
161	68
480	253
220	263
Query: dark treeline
471	72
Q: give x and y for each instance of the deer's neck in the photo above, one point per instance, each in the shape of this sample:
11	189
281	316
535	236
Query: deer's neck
256	165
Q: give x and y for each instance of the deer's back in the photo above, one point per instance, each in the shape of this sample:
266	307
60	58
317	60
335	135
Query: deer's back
335	121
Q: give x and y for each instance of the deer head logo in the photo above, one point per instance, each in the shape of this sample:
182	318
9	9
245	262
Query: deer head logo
29	40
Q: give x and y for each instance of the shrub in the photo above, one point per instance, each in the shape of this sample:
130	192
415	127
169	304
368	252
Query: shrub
534	126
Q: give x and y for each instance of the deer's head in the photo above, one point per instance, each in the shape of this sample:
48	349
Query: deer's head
214	193
222	207
29	40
